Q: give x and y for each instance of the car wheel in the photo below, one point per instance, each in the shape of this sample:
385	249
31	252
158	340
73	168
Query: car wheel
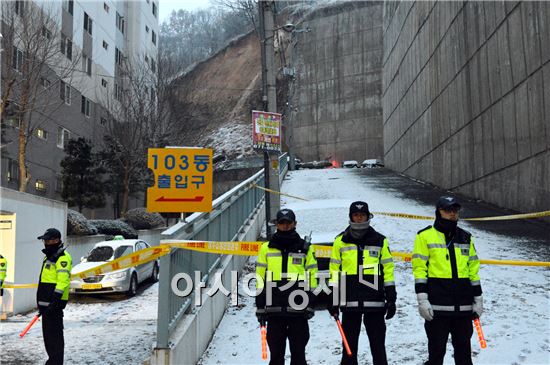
155	274
132	290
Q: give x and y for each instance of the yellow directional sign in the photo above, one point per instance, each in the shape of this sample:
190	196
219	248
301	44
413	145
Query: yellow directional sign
183	180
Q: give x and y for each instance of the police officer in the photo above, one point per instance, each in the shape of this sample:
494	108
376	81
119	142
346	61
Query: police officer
363	255
53	293
447	285
3	272
285	278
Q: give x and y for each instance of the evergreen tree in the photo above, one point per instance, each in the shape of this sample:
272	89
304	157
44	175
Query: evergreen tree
81	174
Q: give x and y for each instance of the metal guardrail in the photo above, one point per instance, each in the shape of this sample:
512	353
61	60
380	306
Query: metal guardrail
230	213
283	166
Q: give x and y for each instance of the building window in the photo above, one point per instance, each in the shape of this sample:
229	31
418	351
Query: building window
103	121
17	60
146	59
19	7
63	136
87	65
118	57
46	33
41	133
68	5
103	82
154	9
66	46
45	82
40	185
146	29
65	92
153	65
106	7
118	92
85	106
13	121
120	22
87	23
12	173
154	37
105	45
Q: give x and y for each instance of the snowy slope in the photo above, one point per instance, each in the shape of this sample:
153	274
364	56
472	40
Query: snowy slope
517	300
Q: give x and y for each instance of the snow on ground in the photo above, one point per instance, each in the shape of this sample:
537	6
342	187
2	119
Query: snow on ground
516	321
98	330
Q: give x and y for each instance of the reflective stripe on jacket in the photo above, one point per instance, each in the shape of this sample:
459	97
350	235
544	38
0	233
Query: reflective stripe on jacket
54	277
284	272
448	272
365	292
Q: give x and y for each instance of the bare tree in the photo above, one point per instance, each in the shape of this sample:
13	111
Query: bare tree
245	8
138	119
37	64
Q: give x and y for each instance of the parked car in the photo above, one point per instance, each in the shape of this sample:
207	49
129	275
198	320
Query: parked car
125	280
371	163
350	164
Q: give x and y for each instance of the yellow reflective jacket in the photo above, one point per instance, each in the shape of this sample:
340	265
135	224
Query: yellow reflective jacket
3	270
447	271
55	277
369	271
280	273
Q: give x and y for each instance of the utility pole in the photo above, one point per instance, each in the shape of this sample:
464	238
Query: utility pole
269	98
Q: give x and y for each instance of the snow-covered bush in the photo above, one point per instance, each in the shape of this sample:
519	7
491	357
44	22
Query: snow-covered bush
78	225
139	218
114	228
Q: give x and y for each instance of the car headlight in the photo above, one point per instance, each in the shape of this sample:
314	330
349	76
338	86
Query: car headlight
116	275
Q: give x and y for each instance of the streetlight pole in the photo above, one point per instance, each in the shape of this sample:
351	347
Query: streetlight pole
269	98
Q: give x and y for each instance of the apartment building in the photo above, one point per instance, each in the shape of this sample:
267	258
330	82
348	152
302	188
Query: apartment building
78	85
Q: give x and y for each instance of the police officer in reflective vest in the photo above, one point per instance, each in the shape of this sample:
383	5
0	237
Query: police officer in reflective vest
363	255
285	278
53	293
447	285
3	272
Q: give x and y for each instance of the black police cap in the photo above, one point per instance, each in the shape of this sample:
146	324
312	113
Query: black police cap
50	234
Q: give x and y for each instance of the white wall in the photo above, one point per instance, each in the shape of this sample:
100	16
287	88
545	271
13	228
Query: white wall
33	215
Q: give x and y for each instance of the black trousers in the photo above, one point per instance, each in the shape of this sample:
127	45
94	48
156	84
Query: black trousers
52	331
461	331
376	331
296	330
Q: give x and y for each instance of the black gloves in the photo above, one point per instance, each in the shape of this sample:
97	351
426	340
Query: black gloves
54	303
262	316
390	310
333	310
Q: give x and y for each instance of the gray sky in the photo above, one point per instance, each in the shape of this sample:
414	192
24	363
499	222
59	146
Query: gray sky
166	6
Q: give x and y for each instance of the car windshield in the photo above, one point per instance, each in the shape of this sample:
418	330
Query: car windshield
102	253
105	253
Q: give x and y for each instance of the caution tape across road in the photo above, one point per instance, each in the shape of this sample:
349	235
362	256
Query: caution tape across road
226	248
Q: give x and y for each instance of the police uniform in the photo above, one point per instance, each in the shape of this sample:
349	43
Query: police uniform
52	296
446	272
3	272
285	274
367	296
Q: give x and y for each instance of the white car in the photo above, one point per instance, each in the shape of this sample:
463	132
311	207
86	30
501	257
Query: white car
371	163
125	280
350	164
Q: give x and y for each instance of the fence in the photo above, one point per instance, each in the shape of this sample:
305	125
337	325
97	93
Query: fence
230	213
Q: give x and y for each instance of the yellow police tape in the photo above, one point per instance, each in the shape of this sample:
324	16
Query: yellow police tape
225	248
542	214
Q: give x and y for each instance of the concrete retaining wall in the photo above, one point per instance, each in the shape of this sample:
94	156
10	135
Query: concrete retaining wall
335	100
465	98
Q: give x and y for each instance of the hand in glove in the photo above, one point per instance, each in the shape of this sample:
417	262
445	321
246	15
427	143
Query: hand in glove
424	306
334	311
390	310
56	298
262	316
477	306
